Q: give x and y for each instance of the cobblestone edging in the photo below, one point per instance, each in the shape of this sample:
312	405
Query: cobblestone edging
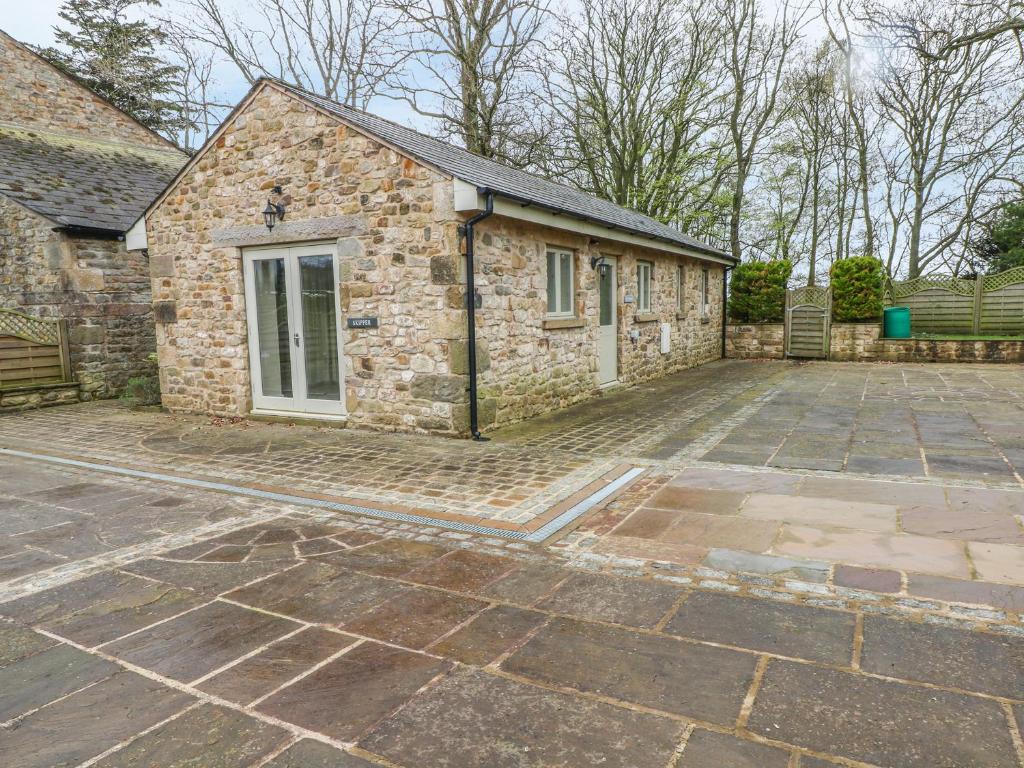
824	594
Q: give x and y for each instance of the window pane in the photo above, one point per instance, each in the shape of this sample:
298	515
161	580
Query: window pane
272	327
319	327
565	305
552	284
606	296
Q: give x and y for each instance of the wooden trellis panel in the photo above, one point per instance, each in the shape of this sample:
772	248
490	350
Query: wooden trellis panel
33	351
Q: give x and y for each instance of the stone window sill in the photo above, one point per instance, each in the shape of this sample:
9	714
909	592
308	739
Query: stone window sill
681	315
645	317
705	320
554	323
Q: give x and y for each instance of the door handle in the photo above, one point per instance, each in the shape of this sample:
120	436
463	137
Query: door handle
297	344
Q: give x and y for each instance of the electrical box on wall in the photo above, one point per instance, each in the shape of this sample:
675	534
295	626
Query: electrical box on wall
666	334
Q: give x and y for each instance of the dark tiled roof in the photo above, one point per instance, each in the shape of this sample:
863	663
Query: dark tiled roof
505	181
78	182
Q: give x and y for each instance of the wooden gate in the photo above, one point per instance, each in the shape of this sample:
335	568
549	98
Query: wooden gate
33	351
808	323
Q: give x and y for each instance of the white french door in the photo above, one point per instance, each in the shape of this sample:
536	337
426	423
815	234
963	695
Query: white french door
608	332
293	317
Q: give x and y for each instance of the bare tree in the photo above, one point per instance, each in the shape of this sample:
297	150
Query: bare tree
638	104
757	51
856	114
469	69
201	110
341	49
982	21
955	129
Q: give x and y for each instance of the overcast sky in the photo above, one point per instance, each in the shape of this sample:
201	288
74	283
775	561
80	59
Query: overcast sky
30	22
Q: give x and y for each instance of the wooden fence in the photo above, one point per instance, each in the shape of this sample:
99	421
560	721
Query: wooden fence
991	305
33	351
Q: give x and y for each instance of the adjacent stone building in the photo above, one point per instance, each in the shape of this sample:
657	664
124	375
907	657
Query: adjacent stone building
76	174
353	306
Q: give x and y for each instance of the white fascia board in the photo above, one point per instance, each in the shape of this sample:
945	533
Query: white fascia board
135	238
467	198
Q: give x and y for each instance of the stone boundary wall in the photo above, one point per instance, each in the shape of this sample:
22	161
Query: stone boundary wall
26	398
750	341
863	342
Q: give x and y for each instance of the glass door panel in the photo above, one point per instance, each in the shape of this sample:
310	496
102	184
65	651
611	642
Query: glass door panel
292	312
319	327
272	330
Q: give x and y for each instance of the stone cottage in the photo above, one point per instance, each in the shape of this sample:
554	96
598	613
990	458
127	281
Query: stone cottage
76	173
315	260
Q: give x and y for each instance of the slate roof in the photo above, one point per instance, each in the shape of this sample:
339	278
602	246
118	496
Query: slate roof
78	182
504	181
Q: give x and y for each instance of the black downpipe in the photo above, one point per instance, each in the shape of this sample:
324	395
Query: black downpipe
725	305
474	419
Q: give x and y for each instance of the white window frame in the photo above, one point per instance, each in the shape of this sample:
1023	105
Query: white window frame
705	292
681	289
644	279
559	254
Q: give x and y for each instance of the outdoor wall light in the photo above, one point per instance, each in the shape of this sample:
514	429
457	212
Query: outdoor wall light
598	263
273	211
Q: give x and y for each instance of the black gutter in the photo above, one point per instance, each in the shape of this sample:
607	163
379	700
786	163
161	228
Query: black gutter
97	233
474	418
725	304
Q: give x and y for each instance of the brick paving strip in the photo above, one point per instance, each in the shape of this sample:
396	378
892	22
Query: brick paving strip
357	645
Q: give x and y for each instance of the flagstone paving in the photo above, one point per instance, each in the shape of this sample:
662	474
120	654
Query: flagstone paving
407	646
768	593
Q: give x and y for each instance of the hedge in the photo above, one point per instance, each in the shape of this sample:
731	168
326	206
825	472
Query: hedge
857	285
757	292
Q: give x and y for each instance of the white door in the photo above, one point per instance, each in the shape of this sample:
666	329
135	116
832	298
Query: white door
293	318
608	335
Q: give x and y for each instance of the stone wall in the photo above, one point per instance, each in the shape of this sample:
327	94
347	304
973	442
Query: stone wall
24	399
389	220
98	286
35	94
863	342
856	341
536	365
755	341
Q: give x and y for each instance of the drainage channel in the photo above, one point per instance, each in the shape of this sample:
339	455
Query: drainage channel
542	533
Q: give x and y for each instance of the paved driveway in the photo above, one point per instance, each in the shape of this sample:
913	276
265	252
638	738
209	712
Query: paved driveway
269	635
717	569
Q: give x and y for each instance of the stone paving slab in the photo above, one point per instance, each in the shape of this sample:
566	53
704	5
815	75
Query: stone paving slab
191	646
39	679
312	754
620	601
801	631
351	694
210	736
661	673
280	663
708	749
91	721
975	661
487	721
841	713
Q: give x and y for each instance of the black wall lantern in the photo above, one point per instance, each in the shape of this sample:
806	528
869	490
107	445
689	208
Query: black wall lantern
273	211
599	264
